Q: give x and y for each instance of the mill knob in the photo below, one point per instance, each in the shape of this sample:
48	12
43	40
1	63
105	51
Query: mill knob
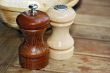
33	8
33	52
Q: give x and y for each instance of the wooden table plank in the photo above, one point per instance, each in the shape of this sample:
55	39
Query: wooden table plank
77	64
97	2
92	20
90	32
19	70
95	7
92	47
9	43
91	56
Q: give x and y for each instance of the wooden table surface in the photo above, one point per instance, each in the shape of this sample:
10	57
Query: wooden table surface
90	56
93	20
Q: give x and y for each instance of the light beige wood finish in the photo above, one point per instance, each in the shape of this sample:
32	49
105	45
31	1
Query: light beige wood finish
10	9
60	41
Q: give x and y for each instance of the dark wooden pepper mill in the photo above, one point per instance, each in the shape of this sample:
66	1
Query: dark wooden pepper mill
33	53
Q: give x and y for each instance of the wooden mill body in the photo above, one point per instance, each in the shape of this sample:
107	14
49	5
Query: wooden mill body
33	53
60	42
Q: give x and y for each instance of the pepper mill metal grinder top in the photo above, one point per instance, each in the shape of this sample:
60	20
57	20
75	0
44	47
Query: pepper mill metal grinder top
60	42
33	53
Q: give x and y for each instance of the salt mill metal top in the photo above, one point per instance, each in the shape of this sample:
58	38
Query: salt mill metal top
33	53
60	7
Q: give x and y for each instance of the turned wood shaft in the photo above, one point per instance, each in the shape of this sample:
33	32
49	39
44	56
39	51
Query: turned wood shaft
33	43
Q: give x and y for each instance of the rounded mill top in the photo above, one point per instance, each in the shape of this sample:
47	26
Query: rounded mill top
61	13
32	19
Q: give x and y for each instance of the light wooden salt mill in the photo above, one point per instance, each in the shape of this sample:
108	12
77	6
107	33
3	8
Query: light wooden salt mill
33	53
61	42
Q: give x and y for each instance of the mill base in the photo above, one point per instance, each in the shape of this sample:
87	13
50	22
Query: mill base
61	54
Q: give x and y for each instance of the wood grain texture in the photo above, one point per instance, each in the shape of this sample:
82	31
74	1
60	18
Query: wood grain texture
99	2
9	43
91	56
93	32
92	20
92	47
33	52
95	7
87	59
77	64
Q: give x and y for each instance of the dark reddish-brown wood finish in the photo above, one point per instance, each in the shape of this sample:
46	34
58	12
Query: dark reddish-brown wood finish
33	53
